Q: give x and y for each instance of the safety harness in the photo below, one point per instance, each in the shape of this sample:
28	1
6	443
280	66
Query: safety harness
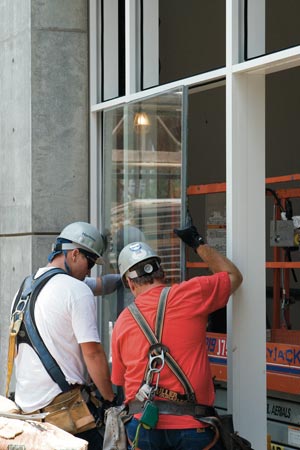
159	354
150	408
23	328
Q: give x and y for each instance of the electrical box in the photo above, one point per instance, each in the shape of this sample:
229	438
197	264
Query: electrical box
282	233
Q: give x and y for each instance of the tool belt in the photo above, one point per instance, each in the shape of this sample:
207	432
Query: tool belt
222	425
175	409
69	412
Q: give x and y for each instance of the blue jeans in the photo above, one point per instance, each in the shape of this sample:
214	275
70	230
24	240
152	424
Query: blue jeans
183	439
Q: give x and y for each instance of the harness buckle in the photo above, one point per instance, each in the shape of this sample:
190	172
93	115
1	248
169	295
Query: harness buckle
157	357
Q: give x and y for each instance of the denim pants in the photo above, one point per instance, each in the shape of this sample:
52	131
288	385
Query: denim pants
180	439
93	437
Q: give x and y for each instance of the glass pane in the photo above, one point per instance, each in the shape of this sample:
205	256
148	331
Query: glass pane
191	39
276	22
206	170
142	150
282	24
282	251
111	49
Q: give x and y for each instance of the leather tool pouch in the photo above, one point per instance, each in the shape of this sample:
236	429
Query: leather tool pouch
230	439
223	426
69	412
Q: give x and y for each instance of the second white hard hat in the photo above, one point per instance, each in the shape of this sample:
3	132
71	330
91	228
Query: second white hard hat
133	254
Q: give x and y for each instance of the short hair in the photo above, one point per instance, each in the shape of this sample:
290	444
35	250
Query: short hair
148	278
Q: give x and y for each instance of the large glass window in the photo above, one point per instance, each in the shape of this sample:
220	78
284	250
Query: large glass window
283	197
109	43
240	141
275	23
142	181
206	178
193	35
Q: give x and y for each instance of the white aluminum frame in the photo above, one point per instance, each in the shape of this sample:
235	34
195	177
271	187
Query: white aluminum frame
245	195
110	49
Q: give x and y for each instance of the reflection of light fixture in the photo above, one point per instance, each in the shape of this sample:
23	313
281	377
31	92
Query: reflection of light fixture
141	122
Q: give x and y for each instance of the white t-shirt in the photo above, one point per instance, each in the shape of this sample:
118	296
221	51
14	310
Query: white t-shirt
66	316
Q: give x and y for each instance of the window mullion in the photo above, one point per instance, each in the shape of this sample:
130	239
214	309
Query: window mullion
131	52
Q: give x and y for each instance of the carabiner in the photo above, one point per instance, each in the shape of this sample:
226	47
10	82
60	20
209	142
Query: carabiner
156	362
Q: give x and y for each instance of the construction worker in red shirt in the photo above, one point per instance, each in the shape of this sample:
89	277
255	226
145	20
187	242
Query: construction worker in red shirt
165	402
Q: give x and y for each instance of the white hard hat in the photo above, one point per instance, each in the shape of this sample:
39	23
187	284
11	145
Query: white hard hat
133	254
85	236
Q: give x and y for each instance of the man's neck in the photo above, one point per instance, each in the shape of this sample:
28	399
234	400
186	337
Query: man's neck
58	262
142	289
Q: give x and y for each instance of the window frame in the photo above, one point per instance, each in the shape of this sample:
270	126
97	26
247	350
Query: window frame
245	194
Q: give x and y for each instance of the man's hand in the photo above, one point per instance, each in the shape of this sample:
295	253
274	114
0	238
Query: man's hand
190	236
215	260
106	404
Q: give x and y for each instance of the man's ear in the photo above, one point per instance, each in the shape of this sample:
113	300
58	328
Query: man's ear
131	285
74	254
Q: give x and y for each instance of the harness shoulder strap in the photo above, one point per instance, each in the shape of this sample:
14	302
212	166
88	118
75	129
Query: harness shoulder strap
37	284
152	338
31	292
25	285
142	322
161	309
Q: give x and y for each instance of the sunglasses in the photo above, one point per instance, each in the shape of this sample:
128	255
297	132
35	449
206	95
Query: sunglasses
91	258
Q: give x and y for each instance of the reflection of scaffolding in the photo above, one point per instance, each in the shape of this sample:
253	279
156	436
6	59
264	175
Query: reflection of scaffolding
156	218
147	175
148	159
159	120
168	131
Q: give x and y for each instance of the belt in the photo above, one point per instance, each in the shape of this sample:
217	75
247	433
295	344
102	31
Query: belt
175	409
60	397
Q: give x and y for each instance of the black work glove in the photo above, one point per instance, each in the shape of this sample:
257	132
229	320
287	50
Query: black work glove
106	404
97	405
189	234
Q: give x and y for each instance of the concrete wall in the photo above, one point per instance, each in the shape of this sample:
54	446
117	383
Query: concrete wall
44	135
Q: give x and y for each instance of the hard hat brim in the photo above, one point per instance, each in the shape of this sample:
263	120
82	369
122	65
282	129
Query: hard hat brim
71	246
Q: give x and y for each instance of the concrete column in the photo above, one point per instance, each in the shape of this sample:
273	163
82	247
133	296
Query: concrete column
44	150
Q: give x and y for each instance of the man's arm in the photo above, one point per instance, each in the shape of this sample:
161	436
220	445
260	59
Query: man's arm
98	369
105	284
216	261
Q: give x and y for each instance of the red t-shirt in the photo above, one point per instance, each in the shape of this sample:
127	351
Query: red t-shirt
184	333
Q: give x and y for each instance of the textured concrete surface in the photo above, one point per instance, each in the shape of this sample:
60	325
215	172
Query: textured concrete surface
59	128
43	135
15	260
15	119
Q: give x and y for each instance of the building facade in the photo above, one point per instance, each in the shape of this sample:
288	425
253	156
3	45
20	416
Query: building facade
130	113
